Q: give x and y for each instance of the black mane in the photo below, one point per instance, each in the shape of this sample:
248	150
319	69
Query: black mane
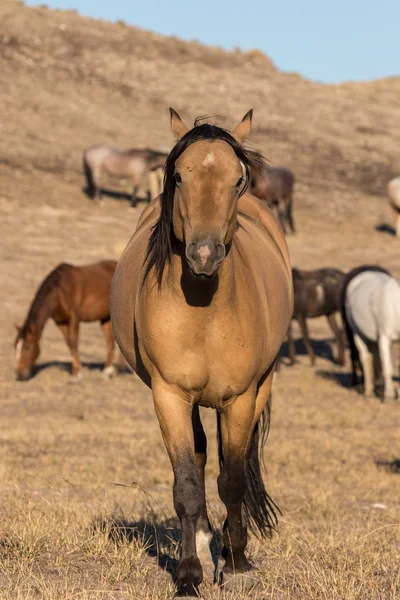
161	242
51	282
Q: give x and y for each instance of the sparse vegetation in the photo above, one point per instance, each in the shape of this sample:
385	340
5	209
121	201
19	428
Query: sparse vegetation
85	483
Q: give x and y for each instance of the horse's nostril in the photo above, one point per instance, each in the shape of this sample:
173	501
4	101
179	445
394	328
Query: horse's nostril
190	250
221	252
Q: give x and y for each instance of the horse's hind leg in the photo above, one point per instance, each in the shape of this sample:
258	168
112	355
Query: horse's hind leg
291	345
306	338
134	196
385	354
109	369
204	532
367	364
289	212
339	335
174	413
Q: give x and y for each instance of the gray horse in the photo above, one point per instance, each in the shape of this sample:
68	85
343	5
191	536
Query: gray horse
134	164
371	313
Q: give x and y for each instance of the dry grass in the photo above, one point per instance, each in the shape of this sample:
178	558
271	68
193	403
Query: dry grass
85	483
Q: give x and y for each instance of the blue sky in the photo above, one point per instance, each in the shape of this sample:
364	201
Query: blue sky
324	40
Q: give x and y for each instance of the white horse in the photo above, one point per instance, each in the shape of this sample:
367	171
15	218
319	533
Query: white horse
371	299
393	190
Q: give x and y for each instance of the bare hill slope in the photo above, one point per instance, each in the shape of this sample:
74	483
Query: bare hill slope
69	81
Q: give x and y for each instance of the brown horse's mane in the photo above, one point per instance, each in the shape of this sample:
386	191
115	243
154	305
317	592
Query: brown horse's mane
162	240
50	283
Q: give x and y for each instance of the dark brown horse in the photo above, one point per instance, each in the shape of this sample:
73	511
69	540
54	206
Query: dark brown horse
134	164
274	185
68	295
201	301
317	294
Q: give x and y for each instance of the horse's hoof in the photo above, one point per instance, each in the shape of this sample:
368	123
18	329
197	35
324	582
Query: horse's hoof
238	582
188	591
109	372
76	378
391	398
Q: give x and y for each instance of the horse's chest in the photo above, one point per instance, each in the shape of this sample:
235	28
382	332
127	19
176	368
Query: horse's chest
213	363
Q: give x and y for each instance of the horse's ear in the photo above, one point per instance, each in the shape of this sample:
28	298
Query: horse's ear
177	125
17	327
241	132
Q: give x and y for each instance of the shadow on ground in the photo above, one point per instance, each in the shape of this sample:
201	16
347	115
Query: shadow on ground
160	539
392	466
321	349
385	228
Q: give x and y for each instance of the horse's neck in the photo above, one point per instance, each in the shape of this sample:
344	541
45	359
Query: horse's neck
213	291
42	308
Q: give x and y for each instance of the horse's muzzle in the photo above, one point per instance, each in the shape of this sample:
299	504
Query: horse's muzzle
23	375
205	256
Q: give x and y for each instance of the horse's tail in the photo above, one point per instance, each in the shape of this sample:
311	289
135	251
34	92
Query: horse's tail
91	187
260	511
355	358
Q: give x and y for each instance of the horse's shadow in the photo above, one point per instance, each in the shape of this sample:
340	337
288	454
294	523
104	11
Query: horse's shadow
116	195
385	228
391	466
321	349
160	539
66	367
343	379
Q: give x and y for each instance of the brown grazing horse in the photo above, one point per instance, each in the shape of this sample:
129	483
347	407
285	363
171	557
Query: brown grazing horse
317	294
200	303
274	185
134	164
68	295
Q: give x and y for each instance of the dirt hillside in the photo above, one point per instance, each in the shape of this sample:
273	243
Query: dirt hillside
73	523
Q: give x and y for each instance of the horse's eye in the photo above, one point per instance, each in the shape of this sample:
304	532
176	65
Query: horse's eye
239	183
178	178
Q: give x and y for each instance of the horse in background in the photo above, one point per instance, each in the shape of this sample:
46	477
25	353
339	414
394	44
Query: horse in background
393	190
151	187
274	185
134	164
317	294
200	303
370	304
68	295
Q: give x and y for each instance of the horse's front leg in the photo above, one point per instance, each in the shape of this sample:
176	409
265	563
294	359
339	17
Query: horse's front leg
70	332
239	446
236	430
174	413
109	369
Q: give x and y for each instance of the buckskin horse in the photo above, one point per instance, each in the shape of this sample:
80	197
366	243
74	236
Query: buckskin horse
275	186
68	295
134	164
200	303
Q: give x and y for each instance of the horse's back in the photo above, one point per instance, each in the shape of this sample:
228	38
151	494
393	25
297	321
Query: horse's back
366	300
317	292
